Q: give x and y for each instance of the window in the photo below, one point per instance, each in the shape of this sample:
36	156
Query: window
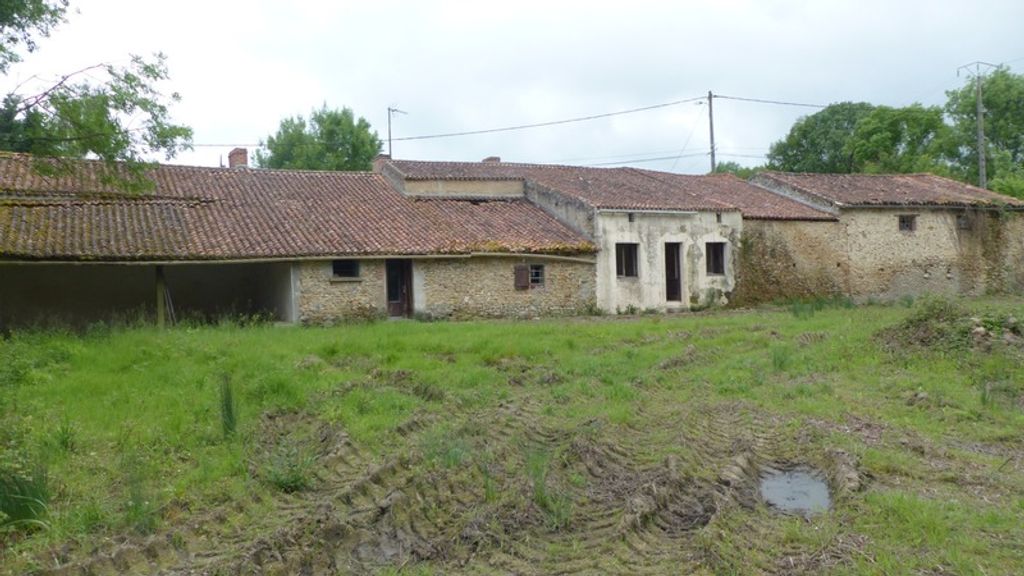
345	268
631	217
963	221
536	275
626	260
908	222
718	217
715	254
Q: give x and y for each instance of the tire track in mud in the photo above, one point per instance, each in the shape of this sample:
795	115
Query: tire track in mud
632	510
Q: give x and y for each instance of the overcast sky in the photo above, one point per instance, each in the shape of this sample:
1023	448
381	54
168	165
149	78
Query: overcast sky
241	67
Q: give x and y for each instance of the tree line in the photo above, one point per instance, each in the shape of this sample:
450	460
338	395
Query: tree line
858	137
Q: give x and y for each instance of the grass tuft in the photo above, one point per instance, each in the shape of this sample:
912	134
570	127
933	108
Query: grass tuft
24	498
289	469
557	507
228	408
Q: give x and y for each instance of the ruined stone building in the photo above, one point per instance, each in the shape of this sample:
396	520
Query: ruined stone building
482	239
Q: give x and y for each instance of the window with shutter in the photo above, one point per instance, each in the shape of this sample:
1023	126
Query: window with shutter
522	277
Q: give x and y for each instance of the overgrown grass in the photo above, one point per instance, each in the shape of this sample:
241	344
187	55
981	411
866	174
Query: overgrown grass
134	425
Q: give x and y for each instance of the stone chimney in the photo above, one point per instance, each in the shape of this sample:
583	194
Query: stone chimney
492	159
238	158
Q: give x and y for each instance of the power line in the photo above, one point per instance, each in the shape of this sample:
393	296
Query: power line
551	123
763	101
659	159
698	99
743	155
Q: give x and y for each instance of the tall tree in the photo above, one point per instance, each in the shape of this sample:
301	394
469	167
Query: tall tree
122	119
330	140
1003	102
734	168
818	143
909	139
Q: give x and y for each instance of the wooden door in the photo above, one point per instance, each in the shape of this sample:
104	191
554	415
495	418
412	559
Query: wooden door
673	272
399	287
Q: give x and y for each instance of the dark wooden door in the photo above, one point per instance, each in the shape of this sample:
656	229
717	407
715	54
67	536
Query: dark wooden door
399	287
673	273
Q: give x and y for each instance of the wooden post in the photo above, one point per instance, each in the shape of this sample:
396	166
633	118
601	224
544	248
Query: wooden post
161	298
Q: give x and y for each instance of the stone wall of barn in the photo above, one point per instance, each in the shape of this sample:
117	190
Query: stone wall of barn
458	287
484	287
866	255
323	299
786	259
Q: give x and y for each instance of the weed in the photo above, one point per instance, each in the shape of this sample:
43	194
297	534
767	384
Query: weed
64	436
289	469
24	497
228	408
934	323
557	507
140	512
782	357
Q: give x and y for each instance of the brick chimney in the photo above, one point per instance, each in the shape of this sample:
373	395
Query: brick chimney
492	159
238	158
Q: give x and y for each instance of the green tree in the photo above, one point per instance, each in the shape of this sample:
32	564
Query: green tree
331	140
818	143
1003	102
899	140
113	113
730	167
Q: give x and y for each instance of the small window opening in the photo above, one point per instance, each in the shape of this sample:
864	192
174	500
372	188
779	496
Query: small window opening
536	275
631	217
908	222
715	258
963	221
345	268
718	217
626	260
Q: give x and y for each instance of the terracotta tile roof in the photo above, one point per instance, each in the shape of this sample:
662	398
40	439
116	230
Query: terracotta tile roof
198	213
753	202
626	188
886	190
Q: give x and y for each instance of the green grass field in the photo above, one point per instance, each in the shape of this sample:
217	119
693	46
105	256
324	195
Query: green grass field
587	445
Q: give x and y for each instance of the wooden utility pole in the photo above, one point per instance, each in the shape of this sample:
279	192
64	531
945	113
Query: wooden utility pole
391	112
982	169
980	111
711	123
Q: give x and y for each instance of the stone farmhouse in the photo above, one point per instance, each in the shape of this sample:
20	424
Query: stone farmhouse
482	239
891	236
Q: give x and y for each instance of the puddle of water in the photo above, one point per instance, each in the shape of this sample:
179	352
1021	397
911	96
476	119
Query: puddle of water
802	491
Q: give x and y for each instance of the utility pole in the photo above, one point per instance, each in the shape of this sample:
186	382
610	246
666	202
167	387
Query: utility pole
711	123
391	112
980	111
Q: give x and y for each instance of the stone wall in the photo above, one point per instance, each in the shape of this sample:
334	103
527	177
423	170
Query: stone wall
485	287
866	255
971	255
323	299
784	259
458	287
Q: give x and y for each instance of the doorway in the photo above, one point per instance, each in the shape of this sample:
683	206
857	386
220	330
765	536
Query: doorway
673	272
399	288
